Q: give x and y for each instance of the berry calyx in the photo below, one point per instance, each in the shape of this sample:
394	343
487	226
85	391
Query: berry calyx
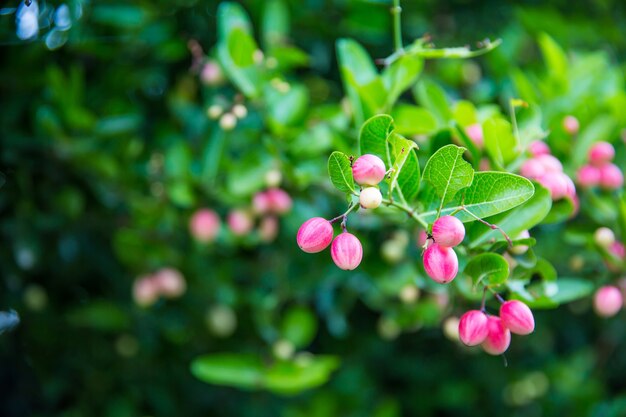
473	328
498	337
448	231
346	251
315	235
517	317
607	301
370	198
441	263
368	170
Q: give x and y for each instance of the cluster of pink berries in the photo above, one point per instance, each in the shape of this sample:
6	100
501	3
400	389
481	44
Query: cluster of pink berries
317	233
493	333
475	133
205	224
606	239
548	171
601	171
608	301
166	282
440	260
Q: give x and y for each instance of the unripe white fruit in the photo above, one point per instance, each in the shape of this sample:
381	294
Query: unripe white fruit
409	293
273	178
604	237
370	198
228	121
214	111
283	349
240	111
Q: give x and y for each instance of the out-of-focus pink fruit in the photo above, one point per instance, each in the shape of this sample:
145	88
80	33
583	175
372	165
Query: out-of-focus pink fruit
261	203
145	292
441	263
601	153
550	163
448	231
346	251
279	200
538	147
240	222
498	337
473	328
368	170
517	317
268	228
475	133
556	183
571	125
315	235
204	225
532	168
607	301
170	282
588	176
611	177
211	73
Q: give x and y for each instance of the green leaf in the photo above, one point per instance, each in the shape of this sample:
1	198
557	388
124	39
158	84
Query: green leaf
571	289
420	48
373	136
299	326
432	97
241	47
288	108
490	269
513	222
448	172
275	23
403	151
413	120
561	211
230	369
490	193
231	16
401	75
500	142
553	54
303	373
99	315
601	128
340	172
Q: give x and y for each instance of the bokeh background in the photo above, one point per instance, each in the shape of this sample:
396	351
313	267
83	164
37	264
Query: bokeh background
106	151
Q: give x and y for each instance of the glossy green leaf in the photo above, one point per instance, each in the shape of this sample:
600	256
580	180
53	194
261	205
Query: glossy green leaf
413	120
556	60
489	269
490	193
401	150
373	136
340	172
275	23
500	142
400	76
433	98
448	173
231	16
230	369
303	373
560	211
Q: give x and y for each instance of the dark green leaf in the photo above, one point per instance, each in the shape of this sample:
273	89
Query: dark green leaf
490	269
448	172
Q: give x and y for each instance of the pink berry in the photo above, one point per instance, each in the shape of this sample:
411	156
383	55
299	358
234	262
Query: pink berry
422	236
611	177
315	235
441	263
570	188
571	125
517	317
448	231
261	203
170	282
618	249
204	225
498	337
588	176
145	292
473	328
211	73
268	228
550	163
239	222
538	147
484	165
601	153
368	170
607	301
556	183
475	133
279	201
532	168
346	251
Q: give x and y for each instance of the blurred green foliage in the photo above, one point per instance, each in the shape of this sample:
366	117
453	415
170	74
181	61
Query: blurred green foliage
106	151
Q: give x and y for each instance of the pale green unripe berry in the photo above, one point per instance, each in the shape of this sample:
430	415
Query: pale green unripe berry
240	111
228	121
370	198
214	111
409	294
604	237
283	349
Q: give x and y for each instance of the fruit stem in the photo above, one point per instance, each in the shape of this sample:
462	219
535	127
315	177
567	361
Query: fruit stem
482	303
491	226
344	217
410	211
396	11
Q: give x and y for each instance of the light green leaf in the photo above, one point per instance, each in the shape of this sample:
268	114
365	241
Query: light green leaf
275	23
500	142
231	16
448	172
302	373
553	54
373	136
402	150
401	75
433	98
299	326
241	47
490	193
490	269
413	120
513	222
229	369
340	172
421	49
561	210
